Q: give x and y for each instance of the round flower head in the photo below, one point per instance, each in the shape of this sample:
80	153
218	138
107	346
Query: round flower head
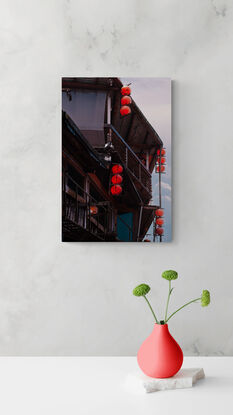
141	289
205	298
170	275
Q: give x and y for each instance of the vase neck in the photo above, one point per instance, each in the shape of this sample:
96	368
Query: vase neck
161	328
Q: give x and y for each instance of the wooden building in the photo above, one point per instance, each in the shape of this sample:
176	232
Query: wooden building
95	137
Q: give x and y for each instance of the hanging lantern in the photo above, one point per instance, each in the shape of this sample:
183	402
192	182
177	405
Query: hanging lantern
126	100
159	212
160	168
117	168
116	190
117	179
93	210
125	90
163	160
125	110
163	152
159	221
159	231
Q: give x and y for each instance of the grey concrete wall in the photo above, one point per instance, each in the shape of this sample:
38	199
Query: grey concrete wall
75	299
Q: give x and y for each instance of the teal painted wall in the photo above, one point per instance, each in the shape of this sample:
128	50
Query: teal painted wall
123	231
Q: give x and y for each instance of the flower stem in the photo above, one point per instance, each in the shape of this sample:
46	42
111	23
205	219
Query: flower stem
151	309
181	308
168	298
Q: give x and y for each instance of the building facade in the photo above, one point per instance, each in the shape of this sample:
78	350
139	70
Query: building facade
96	141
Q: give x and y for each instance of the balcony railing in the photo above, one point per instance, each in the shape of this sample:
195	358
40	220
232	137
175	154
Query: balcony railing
79	206
135	167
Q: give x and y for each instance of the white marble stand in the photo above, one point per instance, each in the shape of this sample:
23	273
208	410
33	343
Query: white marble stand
138	382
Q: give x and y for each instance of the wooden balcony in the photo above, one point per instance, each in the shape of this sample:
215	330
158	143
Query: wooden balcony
78	221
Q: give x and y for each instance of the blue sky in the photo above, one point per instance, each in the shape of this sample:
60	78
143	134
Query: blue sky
153	97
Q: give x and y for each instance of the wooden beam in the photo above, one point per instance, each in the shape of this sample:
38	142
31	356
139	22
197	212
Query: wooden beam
69	159
98	185
82	85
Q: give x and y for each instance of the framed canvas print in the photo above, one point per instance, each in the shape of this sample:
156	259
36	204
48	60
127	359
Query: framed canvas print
116	159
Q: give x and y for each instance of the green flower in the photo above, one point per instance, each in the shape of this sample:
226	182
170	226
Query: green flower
141	289
170	275
205	298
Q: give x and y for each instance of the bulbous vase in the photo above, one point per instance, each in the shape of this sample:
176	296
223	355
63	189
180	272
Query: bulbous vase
160	356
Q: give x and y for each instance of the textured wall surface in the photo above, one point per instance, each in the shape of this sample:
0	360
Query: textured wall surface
75	299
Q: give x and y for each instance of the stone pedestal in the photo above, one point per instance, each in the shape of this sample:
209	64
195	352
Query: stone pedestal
138	382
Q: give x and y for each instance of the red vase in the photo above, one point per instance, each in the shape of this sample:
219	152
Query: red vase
160	356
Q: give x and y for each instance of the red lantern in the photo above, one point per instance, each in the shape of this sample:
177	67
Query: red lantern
125	90
159	231
163	152
159	212
126	100
159	221
163	160
117	179
117	168
116	190
93	210
125	110
161	168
